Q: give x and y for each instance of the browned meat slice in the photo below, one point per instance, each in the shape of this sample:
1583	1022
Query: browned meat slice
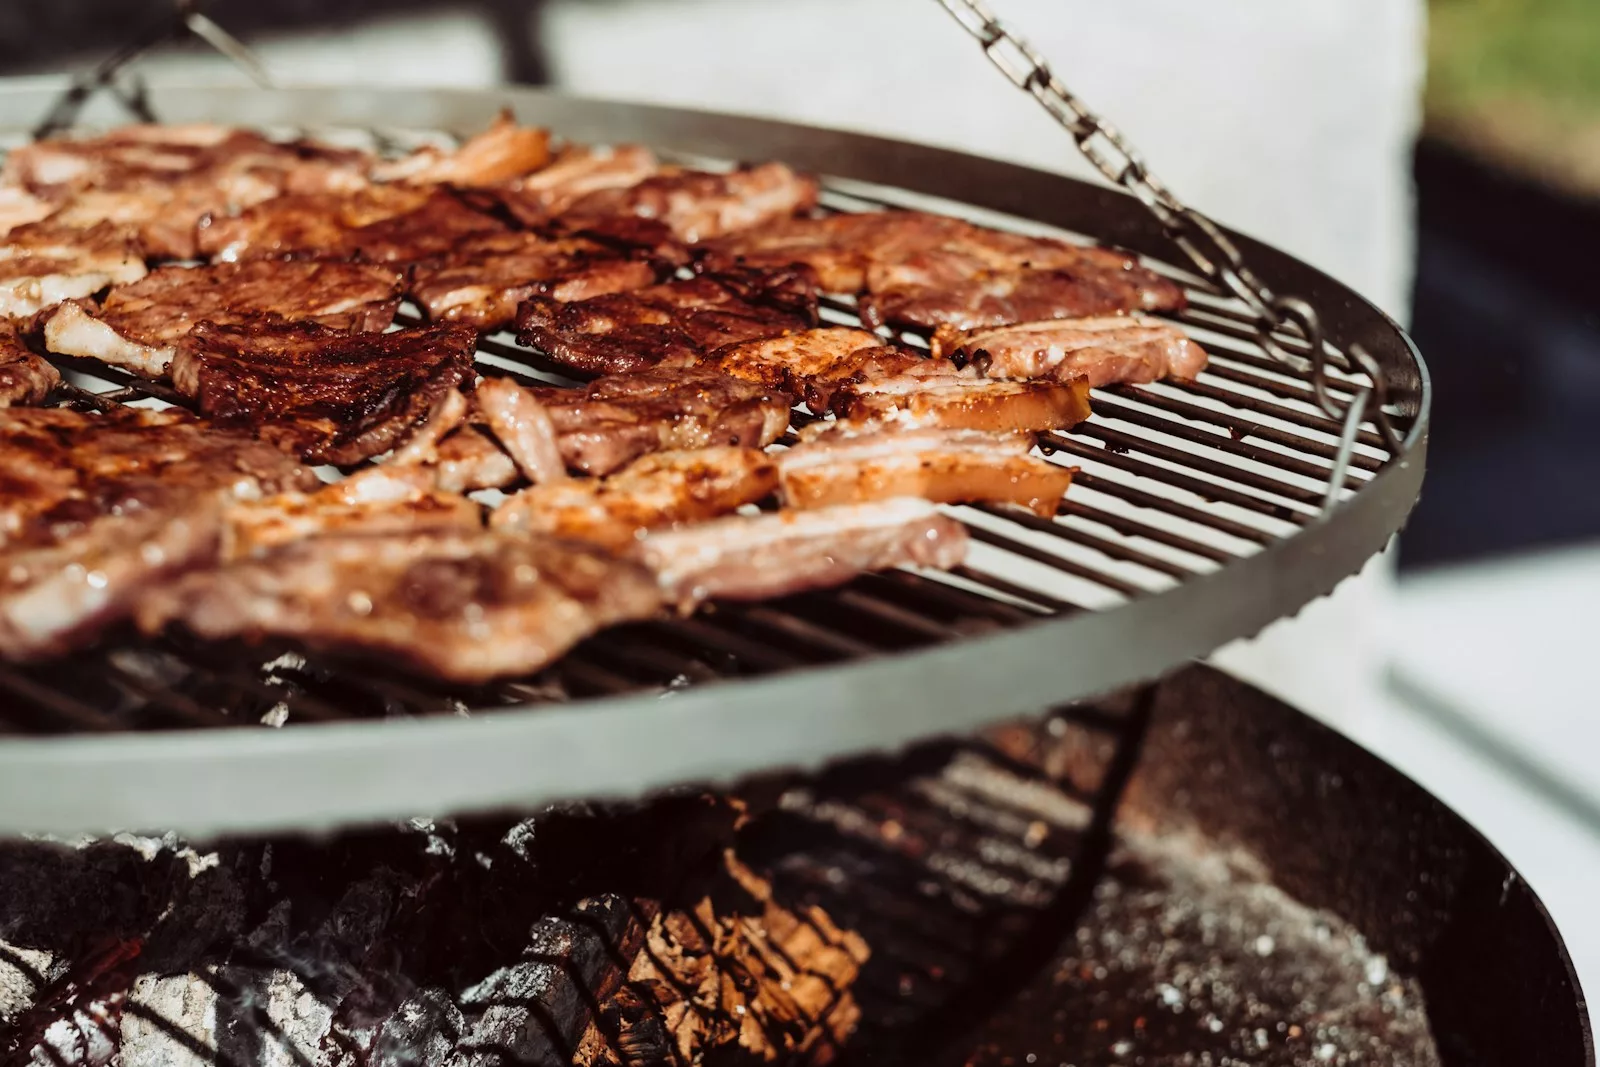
839	248
814	363
482	278
967	402
327	396
577	172
469	459
503	152
317	222
96	510
522	425
18	207
24	377
839	466
42	264
618	418
660	490
376	500
745	557
467	607
697	205
138	326
442	221
679	320
1103	350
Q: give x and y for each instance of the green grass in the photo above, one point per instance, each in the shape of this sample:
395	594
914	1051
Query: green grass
1534	53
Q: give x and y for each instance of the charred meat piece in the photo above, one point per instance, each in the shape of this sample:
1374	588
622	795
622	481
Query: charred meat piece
813	363
138	326
577	172
376	500
503	152
1104	350
967	402
756	557
467	607
679	320
618	418
660	490
299	222
24	377
482	278
442	221
698	205
945	466
838	248
97	510
42	264
327	396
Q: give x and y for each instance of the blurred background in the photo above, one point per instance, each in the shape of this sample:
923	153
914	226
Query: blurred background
1442	157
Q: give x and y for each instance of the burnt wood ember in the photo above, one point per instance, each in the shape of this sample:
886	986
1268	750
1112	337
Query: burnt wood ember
467	607
658	490
95	510
697	205
755	557
138	326
42	264
1105	351
24	377
848	465
482	278
679	320
322	394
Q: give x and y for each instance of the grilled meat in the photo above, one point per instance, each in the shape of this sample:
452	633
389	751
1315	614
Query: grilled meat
967	402
1103	350
96	510
989	298
502	153
315	222
467	607
376	500
327	396
576	173
435	227
618	418
523	427
24	377
482	278
660	490
18	207
469	459
138	326
814	363
42	264
745	557
679	320
697	205
838	248
946	466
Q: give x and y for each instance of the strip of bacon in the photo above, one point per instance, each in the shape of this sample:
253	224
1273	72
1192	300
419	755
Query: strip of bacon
968	402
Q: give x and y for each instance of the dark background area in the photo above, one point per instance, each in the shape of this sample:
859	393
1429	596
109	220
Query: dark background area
1506	308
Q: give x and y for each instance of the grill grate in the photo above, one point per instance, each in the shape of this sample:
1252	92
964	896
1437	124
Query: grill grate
1177	480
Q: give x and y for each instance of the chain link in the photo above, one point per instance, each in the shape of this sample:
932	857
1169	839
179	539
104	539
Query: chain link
1211	252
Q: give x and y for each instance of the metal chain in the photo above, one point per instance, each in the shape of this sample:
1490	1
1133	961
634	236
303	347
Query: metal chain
1207	247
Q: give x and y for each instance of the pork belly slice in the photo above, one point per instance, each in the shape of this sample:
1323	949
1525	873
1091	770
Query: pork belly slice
814	363
658	490
98	510
18	207
944	466
1104	351
138	326
576	173
967	402
744	557
501	153
679	320
699	205
522	425
24	377
298	222
467	607
376	500
433	228
838	248
42	264
324	395
481	279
